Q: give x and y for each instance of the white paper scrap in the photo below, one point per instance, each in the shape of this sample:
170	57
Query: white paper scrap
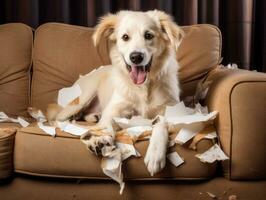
213	154
188	119
37	114
3	116
67	95
188	132
111	167
47	129
127	150
23	122
137	130
175	159
134	121
178	110
211	135
201	109
73	129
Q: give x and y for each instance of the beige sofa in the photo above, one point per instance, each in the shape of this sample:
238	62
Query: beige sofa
34	65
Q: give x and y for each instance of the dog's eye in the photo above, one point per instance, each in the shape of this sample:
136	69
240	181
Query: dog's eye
125	37
148	36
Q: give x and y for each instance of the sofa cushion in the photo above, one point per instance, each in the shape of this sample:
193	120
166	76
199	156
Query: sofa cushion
15	61
39	154
199	52
63	52
7	138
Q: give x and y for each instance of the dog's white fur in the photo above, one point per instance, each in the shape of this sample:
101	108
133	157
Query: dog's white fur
118	95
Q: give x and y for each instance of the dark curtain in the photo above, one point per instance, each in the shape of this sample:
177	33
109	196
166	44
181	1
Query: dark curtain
242	22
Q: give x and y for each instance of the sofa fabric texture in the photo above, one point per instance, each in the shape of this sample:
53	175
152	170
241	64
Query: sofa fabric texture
239	96
67	156
15	61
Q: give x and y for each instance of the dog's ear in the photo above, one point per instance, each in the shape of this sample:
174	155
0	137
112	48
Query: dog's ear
172	31
105	28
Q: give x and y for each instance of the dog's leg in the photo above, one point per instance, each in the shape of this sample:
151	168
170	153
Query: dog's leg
67	112
156	154
92	117
113	109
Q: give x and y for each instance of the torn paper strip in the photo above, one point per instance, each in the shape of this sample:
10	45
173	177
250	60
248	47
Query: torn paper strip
175	159
36	114
112	167
213	154
20	120
23	122
137	131
178	110
180	114
47	129
193	118
201	109
127	150
68	95
134	121
3	116
188	132
72	128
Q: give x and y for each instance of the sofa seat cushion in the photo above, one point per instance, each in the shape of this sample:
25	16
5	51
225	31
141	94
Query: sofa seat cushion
37	153
7	138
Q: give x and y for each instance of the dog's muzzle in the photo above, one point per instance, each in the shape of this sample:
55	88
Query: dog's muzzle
138	73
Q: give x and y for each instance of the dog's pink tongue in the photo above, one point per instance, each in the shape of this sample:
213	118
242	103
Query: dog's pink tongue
137	75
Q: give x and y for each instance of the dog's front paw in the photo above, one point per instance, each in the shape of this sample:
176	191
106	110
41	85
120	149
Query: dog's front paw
155	158
97	144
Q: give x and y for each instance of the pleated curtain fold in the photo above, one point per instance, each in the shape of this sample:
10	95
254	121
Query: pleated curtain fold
242	22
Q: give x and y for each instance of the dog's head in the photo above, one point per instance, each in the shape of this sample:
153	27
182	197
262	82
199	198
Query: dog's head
140	41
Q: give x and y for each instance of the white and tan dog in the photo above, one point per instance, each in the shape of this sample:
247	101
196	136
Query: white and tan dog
142	79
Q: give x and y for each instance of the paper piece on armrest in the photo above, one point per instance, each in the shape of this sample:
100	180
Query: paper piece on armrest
127	150
134	121
178	110
36	114
213	154
47	129
72	128
188	132
175	159
67	95
111	167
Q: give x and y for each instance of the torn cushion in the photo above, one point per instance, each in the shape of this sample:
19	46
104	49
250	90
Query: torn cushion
37	153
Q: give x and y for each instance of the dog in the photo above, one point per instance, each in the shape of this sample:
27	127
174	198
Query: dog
142	79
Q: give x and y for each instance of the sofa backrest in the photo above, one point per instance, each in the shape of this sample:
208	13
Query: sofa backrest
63	52
15	61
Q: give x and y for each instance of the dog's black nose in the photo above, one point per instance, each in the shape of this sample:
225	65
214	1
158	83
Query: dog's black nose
136	57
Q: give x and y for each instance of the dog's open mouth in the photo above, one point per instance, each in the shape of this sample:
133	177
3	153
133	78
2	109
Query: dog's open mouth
137	73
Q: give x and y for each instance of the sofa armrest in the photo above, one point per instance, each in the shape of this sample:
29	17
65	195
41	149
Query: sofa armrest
240	98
